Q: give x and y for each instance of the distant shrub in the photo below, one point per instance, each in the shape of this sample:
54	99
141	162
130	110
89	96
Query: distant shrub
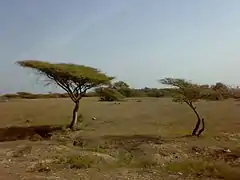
10	96
109	94
27	95
213	96
218	92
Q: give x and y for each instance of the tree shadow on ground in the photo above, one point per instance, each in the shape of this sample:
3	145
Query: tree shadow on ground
31	132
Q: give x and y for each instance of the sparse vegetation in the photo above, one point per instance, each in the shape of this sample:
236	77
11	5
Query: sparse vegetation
126	91
144	139
200	168
83	162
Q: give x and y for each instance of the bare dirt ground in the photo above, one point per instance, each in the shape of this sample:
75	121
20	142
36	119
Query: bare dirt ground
136	139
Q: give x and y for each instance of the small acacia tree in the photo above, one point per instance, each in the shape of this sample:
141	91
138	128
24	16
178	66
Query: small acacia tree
187	92
223	91
123	88
74	79
120	85
109	94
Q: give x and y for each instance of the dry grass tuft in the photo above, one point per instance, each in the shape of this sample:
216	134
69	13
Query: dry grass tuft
200	168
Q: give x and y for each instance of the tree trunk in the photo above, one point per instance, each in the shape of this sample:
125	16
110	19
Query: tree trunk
202	129
194	132
75	116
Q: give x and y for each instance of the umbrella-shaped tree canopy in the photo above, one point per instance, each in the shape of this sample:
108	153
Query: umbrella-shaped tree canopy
74	79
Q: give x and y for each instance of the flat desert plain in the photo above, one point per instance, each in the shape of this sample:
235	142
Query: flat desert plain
140	138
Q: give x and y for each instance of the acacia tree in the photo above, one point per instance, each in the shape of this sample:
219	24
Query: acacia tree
76	80
123	88
224	91
120	85
109	94
187	92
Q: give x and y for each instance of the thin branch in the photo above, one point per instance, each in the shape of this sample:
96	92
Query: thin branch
66	88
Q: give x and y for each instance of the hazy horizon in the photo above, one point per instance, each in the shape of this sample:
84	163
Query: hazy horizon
138	41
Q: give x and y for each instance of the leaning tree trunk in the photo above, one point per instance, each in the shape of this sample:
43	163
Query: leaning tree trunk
202	129
194	132
75	116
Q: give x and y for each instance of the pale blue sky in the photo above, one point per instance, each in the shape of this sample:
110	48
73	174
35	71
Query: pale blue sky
139	41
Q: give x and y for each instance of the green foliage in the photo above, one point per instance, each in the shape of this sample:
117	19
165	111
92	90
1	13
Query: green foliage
184	91
145	92
212	96
222	90
150	92
109	94
153	92
220	87
120	85
123	88
26	95
218	91
74	79
187	92
67	71
126	92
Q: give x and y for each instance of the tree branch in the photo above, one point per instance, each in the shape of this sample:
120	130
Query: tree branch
65	86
